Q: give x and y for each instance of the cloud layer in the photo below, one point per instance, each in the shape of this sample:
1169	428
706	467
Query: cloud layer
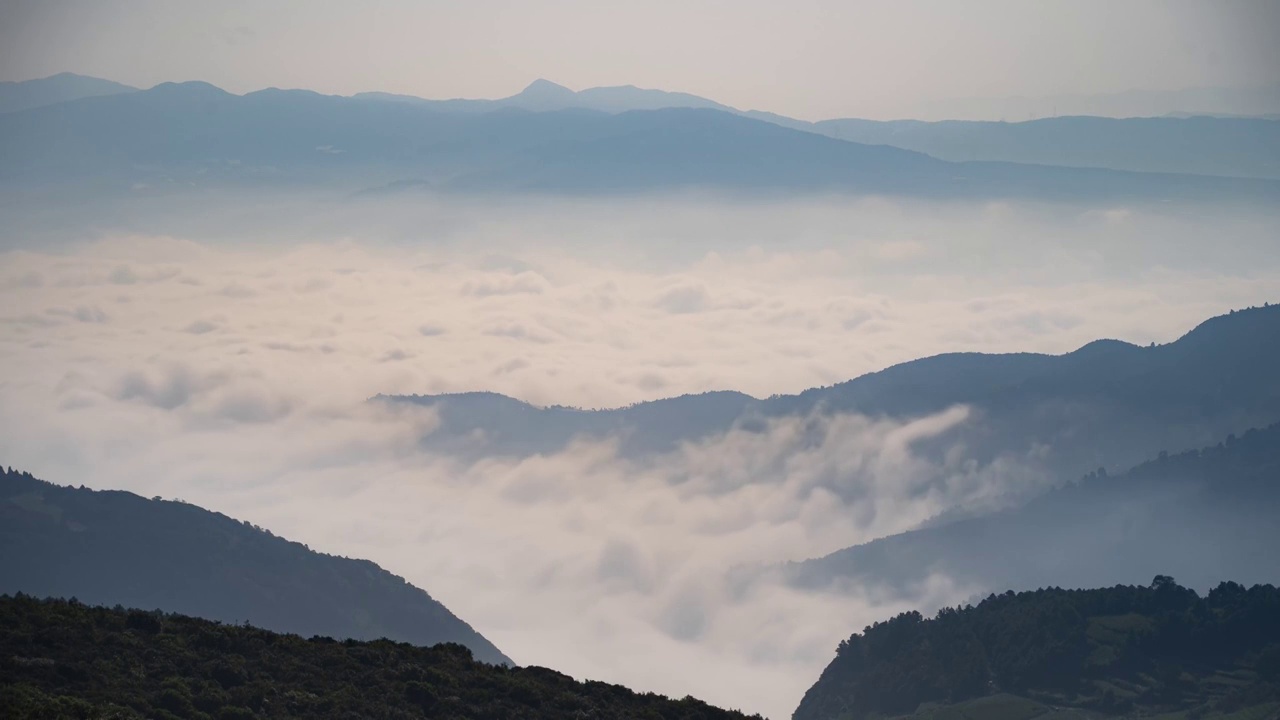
235	374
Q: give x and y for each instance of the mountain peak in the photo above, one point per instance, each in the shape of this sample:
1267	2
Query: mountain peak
189	88
545	88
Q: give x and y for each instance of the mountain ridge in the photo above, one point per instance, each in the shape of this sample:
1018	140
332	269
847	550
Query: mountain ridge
115	547
1211	381
62	87
198	137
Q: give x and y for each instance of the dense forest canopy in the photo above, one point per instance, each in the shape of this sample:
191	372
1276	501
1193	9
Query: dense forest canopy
1115	651
63	659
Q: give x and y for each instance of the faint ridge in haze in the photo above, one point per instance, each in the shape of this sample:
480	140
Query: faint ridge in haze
27	94
193	137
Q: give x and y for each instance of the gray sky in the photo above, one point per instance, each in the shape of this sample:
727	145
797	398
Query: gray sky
806	58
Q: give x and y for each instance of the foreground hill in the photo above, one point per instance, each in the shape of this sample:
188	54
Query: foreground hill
60	659
195	136
1108	404
1115	652
1200	514
112	547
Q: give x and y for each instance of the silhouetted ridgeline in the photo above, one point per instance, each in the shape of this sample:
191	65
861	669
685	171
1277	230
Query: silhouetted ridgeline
1121	651
114	547
62	87
197	136
1108	404
62	659
1202	145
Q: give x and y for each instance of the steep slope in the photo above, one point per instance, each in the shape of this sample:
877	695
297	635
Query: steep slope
1200	514
111	547
1114	652
192	136
60	659
1108	404
27	94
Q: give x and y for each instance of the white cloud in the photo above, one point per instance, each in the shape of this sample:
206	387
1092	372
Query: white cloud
235	376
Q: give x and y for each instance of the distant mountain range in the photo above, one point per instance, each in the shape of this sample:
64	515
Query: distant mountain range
191	136
1124	651
116	548
1178	142
546	96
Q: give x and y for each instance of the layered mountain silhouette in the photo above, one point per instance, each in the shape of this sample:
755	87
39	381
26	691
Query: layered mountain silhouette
1123	651
192	136
1201	514
1185	143
116	548
1108	404
27	94
544	95
1177	144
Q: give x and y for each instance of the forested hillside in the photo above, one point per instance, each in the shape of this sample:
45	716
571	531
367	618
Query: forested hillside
1121	651
62	659
110	547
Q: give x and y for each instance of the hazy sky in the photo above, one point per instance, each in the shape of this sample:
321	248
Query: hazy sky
806	58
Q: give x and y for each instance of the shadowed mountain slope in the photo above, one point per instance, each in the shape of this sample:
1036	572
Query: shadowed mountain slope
1201	514
114	547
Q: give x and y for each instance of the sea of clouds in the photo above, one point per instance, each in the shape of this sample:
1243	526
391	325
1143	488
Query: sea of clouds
232	368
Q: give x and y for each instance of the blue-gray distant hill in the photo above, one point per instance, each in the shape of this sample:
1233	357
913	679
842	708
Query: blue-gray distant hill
114	547
1108	404
1237	147
544	95
27	94
1229	146
192	137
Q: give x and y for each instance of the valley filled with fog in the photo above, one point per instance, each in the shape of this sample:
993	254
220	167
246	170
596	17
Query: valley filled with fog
230	360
